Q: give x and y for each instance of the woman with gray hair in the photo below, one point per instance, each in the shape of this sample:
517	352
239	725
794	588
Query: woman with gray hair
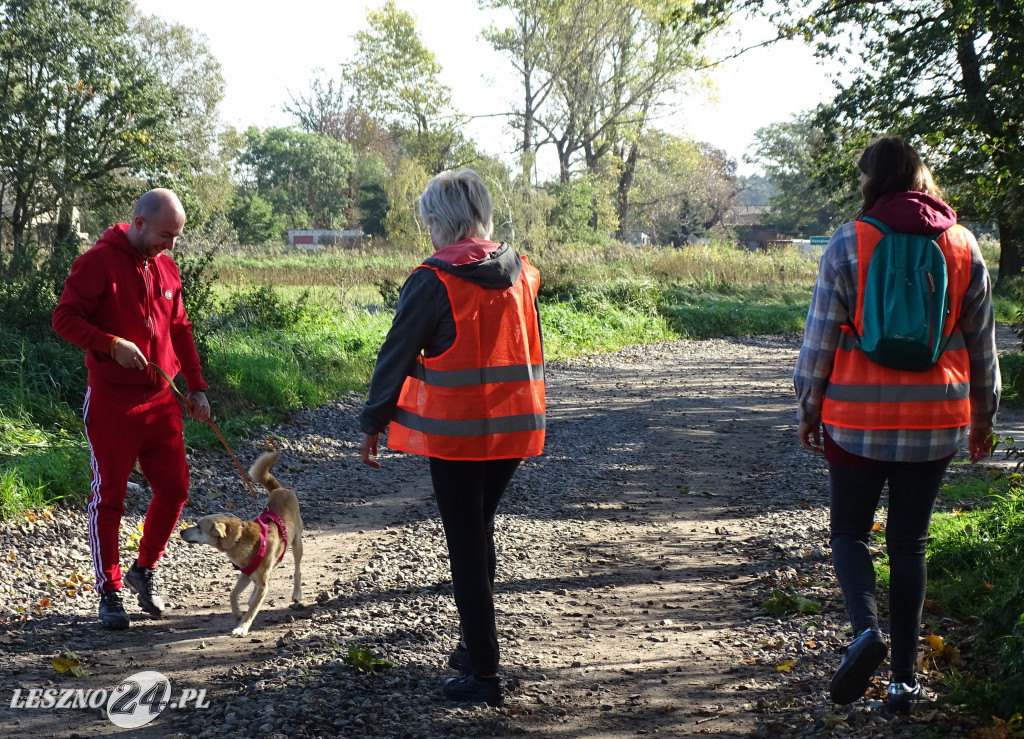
460	380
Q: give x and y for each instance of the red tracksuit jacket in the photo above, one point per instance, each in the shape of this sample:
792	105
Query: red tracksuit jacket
114	291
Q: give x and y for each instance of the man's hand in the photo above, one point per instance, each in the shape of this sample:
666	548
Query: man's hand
979	443
810	436
128	355
369	449
200	408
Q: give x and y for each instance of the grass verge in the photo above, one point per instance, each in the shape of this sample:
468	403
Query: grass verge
976	588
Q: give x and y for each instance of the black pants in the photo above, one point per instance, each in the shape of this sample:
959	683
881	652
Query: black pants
913	488
467	495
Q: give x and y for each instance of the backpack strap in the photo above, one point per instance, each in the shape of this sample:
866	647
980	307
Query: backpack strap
884	228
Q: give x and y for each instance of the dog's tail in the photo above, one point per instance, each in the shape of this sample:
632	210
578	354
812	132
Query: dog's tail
260	470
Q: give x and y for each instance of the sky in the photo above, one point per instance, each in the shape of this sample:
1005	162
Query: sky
267	56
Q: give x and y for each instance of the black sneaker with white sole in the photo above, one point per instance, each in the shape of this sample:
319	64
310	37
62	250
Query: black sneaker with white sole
862	658
473	689
142	580
112	613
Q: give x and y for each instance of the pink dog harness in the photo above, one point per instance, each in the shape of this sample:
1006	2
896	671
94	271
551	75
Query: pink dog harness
263	520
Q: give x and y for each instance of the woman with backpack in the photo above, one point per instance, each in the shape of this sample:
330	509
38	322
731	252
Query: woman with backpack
877	423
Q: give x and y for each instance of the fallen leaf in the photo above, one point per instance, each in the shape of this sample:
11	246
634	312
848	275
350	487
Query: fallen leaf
811	644
785	666
62	664
951	654
832	721
45	603
935	642
999	731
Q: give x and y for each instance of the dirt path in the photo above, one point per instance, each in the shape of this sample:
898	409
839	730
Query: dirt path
634	558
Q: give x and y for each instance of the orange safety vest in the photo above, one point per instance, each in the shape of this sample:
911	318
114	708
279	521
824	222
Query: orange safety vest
865	395
483	398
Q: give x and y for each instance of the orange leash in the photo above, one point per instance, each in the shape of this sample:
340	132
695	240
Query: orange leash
189	405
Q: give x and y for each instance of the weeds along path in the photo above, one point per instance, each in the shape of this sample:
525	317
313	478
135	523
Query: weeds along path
634	557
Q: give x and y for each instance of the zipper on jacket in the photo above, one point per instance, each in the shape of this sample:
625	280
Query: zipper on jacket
149	318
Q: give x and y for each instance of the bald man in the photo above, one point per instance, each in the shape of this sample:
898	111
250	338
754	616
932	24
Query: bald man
122	304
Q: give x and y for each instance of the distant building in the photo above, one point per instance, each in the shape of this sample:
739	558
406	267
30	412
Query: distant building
637	237
314	237
754	228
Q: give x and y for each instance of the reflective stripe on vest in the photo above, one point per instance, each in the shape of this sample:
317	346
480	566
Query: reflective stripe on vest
483	398
865	395
479	376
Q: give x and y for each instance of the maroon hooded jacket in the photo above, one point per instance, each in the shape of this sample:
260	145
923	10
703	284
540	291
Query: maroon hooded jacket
113	291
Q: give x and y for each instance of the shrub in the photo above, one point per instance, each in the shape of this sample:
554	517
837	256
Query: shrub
262	307
29	292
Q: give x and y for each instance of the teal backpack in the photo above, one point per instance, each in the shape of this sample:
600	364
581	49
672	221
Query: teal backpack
906	299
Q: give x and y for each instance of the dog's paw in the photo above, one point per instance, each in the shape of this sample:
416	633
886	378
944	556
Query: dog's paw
240	630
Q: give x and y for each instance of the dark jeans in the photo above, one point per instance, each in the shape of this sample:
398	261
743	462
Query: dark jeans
913	487
467	495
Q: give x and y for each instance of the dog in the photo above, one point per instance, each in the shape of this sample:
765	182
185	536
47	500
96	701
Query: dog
243	541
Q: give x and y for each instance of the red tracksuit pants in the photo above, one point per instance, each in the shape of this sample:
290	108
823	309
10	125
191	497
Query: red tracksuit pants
121	428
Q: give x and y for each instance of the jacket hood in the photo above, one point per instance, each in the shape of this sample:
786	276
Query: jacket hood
117	237
484	263
913	213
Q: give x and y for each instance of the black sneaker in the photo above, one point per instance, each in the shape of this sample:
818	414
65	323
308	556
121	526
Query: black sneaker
902	697
862	658
473	689
142	580
459	659
112	614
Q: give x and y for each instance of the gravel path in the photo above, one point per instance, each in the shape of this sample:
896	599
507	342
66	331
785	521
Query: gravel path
634	559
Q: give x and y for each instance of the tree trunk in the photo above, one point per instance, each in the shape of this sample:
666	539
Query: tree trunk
624	187
563	162
18	266
1011	248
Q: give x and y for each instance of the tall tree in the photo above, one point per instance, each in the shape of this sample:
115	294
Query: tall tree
795	155
595	73
77	103
329	110
183	61
949	74
535	43
396	80
683	188
302	175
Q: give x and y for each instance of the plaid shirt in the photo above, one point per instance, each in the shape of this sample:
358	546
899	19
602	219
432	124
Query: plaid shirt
834	292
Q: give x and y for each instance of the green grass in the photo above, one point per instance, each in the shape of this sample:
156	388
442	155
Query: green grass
975	550
974	566
701	314
1011	367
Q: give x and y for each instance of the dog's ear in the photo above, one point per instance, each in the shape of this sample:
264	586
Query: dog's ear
220	530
